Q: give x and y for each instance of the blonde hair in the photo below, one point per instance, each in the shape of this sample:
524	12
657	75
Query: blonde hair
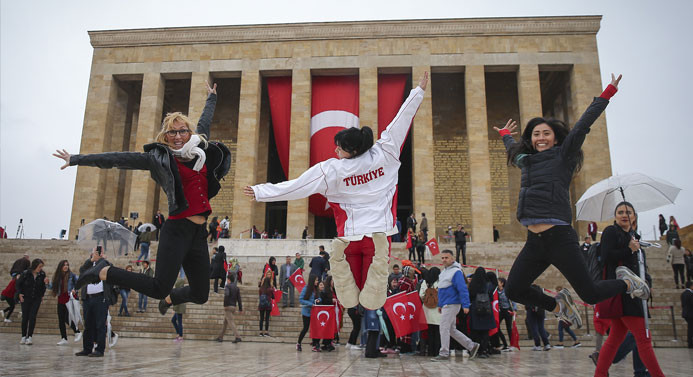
168	122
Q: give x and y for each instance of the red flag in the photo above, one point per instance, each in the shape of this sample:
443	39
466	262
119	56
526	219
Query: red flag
322	322
409	243
277	298
515	336
496	313
396	309
433	246
296	279
414	305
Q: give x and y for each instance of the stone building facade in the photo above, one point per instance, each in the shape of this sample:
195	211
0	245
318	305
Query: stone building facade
483	72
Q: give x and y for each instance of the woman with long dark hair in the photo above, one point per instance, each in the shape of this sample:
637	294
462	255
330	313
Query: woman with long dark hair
549	154
307	300
31	286
675	256
266	293
64	286
620	248
188	168
360	186
662	225
429	296
481	320
325	297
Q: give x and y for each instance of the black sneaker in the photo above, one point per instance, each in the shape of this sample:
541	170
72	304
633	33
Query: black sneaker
82	353
96	354
474	350
163	306
594	357
237	340
91	275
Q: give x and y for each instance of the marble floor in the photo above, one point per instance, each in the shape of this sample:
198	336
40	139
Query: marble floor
203	358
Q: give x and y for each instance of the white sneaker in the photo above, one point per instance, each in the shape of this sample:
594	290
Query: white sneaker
537	348
78	337
28	341
62	341
7	320
547	347
23	341
114	340
452	353
2	313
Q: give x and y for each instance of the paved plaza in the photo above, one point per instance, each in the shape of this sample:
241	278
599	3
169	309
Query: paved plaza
204	358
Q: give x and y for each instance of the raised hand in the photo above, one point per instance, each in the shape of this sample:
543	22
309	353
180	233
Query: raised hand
64	155
211	90
510	126
248	191
615	80
424	80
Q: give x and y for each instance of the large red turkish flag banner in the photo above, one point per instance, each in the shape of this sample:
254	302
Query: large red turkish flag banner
415	306
433	246
323	324
396	307
496	313
296	279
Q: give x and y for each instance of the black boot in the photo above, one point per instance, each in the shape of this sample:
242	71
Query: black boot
91	275
372	350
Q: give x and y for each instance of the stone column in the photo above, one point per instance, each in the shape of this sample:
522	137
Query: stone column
479	159
299	152
142	188
368	99
528	93
585	84
422	145
88	198
198	94
247	151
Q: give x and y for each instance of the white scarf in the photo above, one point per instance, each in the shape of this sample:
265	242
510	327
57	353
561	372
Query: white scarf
190	150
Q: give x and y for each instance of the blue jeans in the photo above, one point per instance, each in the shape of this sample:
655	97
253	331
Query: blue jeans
144	251
177	321
561	327
124	294
142	303
626	347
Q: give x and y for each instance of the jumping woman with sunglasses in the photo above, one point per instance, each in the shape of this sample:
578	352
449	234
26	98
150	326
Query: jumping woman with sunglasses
549	154
188	168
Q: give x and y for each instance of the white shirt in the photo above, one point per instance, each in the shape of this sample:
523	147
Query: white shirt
360	190
93	289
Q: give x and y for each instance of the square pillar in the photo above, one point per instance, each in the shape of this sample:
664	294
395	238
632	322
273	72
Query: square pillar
479	158
422	145
247	151
142	188
528	93
198	94
368	99
88	198
299	153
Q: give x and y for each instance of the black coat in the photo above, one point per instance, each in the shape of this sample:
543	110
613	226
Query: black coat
687	304
217	265
481	322
615	251
109	291
159	160
32	288
20	265
546	176
318	265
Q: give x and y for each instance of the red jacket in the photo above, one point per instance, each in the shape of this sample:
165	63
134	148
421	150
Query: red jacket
10	290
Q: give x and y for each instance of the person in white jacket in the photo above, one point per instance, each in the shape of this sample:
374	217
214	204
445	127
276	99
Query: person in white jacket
359	185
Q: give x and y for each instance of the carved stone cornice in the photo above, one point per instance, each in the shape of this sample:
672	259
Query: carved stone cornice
347	30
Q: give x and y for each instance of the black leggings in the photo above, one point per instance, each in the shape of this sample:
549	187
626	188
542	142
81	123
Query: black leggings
421	251
556	246
356	322
30	308
678	271
504	314
182	243
10	307
412	253
63	318
304	331
264	316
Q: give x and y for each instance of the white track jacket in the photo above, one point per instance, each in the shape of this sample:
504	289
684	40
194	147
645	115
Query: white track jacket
359	190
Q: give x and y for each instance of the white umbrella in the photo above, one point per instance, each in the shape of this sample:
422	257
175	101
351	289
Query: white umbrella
645	193
143	227
74	311
111	236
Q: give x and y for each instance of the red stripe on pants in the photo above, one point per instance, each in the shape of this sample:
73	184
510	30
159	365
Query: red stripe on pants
619	329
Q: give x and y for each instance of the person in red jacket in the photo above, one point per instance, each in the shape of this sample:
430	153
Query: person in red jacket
8	295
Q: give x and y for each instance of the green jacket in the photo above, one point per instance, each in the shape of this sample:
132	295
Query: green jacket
299	262
180	308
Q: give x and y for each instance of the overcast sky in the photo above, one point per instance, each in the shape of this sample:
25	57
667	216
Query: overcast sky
45	60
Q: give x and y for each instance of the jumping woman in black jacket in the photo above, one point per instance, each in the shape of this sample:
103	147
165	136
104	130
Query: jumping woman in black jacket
549	154
189	169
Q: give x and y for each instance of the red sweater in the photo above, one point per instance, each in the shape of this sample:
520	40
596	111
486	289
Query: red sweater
195	191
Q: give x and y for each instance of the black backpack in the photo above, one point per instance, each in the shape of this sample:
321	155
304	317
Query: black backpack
482	304
595	264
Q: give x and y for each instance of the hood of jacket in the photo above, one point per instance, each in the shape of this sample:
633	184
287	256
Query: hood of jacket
445	278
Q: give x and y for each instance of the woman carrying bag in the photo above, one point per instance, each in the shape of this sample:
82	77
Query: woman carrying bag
64	286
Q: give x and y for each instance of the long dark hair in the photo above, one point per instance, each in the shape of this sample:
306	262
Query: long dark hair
310	287
59	278
35	263
478	283
524	146
432	276
354	140
326	295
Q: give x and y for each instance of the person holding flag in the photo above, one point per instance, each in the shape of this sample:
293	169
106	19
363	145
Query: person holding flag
452	295
307	300
360	186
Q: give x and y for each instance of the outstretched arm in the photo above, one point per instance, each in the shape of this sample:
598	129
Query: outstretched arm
507	132
121	160
573	142
312	181
205	121
396	132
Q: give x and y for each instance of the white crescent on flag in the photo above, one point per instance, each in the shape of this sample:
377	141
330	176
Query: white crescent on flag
395	306
328	317
332	118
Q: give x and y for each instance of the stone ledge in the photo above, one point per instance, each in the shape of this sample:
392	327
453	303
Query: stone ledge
347	30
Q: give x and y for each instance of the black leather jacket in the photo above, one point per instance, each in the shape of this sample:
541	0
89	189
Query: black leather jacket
159	160
546	176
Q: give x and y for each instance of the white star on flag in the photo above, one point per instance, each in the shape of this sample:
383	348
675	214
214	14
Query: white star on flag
411	316
402	317
322	324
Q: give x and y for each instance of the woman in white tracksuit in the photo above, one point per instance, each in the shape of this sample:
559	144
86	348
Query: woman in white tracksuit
360	186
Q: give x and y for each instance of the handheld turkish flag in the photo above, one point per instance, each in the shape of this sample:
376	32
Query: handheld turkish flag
433	246
515	336
296	279
496	313
277	298
396	309
414	305
322	322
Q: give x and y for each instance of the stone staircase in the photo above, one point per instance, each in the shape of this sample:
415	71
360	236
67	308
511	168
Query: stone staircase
204	321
